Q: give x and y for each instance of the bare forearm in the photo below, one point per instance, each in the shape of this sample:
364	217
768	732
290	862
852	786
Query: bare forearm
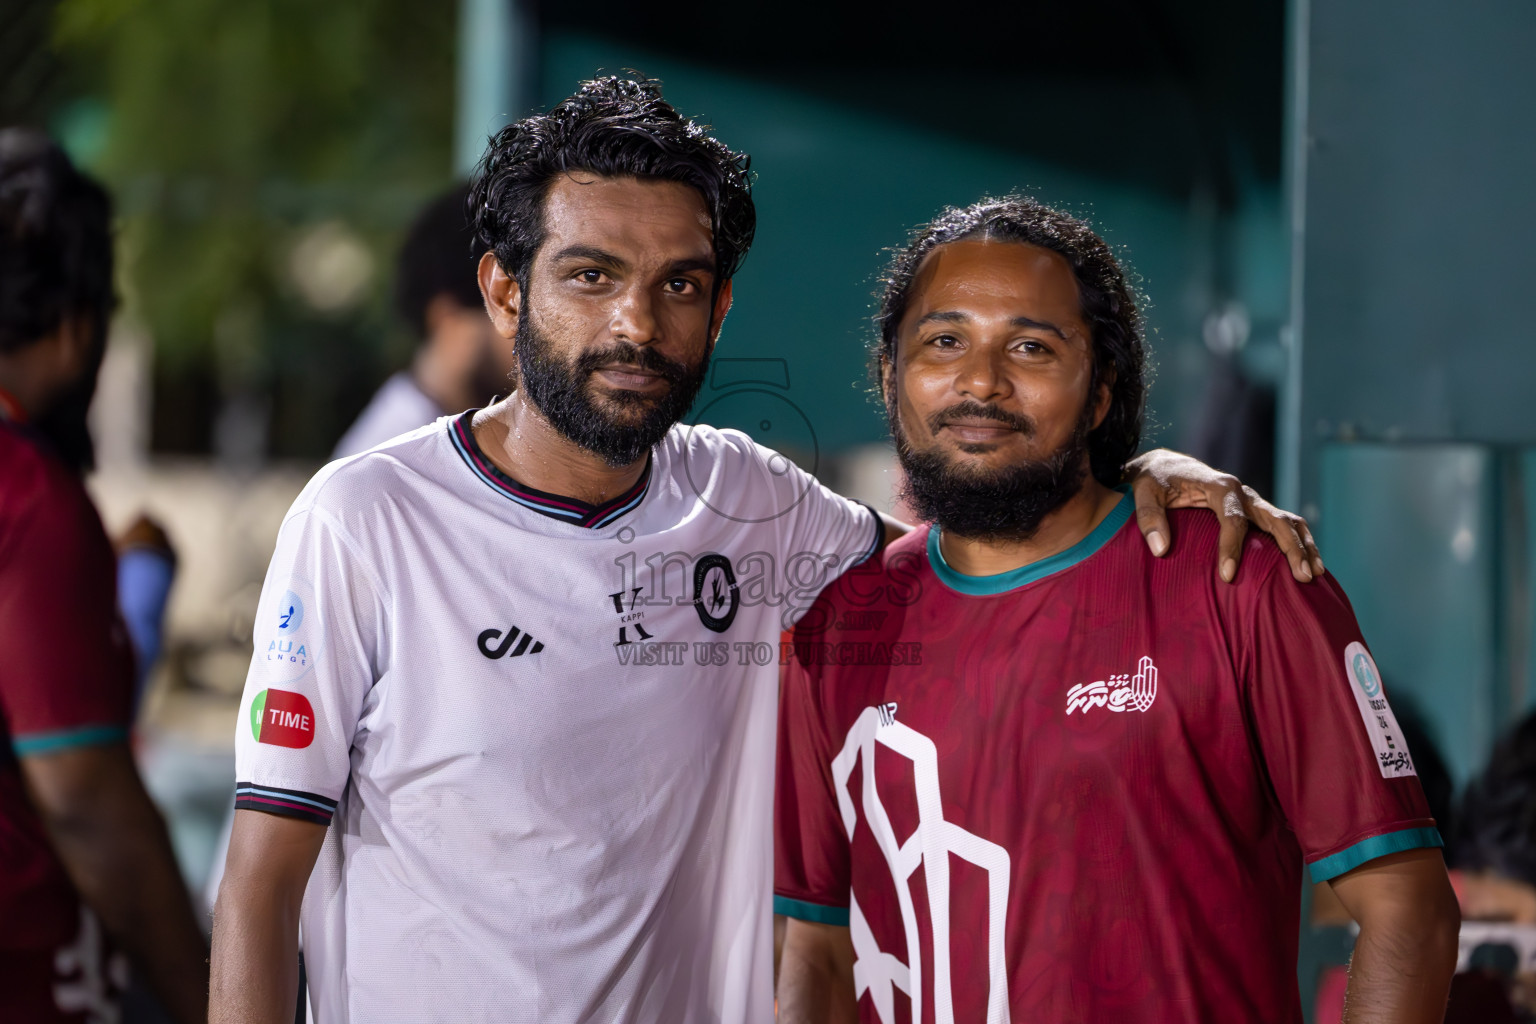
255	959
806	996
121	862
1401	974
815	984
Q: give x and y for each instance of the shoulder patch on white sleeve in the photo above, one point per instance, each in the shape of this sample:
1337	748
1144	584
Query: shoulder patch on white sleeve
287	635
1387	741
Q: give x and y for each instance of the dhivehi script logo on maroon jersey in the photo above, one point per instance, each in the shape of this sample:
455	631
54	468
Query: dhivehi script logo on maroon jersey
282	718
1123	692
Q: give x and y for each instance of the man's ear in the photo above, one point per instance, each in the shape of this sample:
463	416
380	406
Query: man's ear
717	315
503	297
887	377
1103	399
75	344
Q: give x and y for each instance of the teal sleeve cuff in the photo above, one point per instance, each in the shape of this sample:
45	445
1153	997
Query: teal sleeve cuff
1365	850
65	739
813	912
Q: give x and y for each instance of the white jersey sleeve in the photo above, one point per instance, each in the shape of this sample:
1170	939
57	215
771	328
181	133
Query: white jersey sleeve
317	654
821	534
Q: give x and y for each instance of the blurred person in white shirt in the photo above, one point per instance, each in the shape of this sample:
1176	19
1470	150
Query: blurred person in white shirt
460	360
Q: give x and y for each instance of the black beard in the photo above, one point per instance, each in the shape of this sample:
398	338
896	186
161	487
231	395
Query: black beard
64	423
562	392
1006	504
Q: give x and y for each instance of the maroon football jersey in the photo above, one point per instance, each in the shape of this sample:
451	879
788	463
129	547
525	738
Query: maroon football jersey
66	681
1083	790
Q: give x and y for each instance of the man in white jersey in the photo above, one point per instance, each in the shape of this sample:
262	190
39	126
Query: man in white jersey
506	748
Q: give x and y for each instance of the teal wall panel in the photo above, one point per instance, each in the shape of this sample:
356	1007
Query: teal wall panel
1412	534
1413	160
1521	564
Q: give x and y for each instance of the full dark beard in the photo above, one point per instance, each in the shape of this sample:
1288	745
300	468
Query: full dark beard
562	392
64	423
994	504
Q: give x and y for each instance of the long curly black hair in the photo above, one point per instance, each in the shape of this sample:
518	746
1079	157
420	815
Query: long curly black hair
616	127
1108	305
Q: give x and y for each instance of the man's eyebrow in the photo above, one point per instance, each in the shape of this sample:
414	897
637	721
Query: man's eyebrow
591	254
943	317
703	263
954	316
1039	325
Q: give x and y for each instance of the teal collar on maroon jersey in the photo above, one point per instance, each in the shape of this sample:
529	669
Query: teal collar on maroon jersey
555	506
1001	583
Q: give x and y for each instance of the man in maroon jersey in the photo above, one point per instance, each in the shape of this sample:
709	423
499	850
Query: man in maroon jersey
85	862
1028	771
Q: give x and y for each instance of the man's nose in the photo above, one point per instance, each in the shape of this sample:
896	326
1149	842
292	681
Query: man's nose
634	316
981	375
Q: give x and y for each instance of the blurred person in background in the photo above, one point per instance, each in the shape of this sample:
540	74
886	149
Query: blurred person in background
1496	848
1496	832
460	360
86	866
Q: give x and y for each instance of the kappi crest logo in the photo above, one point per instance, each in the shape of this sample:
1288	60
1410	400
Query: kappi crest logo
1123	692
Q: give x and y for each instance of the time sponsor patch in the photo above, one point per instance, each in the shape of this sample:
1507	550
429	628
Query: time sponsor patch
282	718
1387	742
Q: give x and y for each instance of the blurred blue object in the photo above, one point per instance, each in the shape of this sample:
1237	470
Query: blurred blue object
144	577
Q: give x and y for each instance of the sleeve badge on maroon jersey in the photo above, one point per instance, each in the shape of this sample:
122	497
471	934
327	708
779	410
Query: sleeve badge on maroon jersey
1380	724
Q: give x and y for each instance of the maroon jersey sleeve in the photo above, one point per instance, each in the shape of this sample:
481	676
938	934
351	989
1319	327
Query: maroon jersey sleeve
1341	773
811	873
66	678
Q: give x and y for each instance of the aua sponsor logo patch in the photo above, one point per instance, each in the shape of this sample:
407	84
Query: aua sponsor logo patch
282	718
287	639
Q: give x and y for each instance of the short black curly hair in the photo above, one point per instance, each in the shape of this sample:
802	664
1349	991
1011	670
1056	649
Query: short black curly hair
55	241
1107	298
615	127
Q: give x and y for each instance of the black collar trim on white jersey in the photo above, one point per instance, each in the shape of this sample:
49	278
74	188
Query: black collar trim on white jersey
556	506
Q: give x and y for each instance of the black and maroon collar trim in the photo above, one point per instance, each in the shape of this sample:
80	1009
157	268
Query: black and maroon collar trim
556	506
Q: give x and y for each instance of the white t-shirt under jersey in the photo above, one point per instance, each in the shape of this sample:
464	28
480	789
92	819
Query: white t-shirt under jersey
545	729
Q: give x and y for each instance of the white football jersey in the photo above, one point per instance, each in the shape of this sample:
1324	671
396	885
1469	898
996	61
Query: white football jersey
541	732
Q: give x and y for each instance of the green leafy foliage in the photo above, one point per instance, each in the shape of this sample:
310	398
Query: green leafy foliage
240	137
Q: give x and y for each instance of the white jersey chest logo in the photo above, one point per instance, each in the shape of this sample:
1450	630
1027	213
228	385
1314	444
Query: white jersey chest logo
930	846
1124	692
